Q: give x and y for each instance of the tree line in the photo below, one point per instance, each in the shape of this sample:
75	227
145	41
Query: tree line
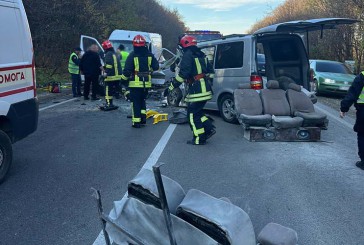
56	25
344	43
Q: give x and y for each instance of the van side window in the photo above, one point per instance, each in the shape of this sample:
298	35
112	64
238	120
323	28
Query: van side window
210	54
229	55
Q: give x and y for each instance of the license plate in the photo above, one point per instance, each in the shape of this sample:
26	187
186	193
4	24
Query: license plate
344	88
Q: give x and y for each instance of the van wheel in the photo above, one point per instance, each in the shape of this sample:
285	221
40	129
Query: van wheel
174	97
227	108
6	155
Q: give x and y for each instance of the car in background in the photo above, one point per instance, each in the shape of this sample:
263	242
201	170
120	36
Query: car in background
261	63
330	77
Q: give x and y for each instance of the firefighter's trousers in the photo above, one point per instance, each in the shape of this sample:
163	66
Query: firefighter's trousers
138	98
110	88
199	123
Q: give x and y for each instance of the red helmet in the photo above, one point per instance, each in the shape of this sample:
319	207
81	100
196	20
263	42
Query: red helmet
106	44
188	41
139	41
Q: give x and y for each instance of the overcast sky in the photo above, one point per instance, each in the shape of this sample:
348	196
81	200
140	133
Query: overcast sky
226	16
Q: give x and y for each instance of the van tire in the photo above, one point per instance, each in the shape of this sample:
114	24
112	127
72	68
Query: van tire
6	155
174	97
227	108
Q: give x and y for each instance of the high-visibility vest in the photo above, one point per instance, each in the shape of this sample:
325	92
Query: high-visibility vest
361	96
72	67
116	76
140	83
123	55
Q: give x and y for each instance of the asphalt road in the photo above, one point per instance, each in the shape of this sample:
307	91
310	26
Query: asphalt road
313	188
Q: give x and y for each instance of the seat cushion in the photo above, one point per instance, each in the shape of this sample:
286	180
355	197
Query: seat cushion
311	118
144	188
223	221
247	101
282	122
299	101
275	234
275	102
256	120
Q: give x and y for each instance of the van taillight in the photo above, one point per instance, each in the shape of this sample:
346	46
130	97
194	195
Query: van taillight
256	82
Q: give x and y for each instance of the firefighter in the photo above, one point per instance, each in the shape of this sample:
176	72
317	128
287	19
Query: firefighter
138	69
74	70
112	75
197	72
355	96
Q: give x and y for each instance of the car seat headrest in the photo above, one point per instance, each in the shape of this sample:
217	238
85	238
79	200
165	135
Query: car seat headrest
244	86
294	87
273	84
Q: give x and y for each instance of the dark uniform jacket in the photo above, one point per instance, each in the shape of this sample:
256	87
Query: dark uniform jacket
351	98
112	66
90	64
138	68
197	70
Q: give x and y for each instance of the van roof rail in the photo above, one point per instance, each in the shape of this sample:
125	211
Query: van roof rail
234	35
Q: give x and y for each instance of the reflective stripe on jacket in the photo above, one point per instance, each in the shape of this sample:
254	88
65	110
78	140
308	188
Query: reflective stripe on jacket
138	69
141	79
113	67
195	65
72	67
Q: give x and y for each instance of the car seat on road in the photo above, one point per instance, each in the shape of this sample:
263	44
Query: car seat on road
221	220
301	106
249	108
144	188
276	104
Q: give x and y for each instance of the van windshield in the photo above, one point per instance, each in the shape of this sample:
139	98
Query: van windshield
127	44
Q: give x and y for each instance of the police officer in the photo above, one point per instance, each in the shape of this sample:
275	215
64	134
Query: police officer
123	56
138	69
112	75
74	70
197	72
356	96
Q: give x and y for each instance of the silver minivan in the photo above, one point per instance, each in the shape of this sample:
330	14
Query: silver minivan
236	59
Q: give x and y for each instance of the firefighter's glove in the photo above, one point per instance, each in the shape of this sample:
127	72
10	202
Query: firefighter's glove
171	87
127	95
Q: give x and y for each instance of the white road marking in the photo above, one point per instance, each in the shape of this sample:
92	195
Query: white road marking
60	103
335	117
152	159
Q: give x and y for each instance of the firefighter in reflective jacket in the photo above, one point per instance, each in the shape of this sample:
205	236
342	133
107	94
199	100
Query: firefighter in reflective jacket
197	72
112	75
138	69
355	96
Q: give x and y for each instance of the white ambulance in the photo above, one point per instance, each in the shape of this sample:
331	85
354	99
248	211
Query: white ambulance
18	101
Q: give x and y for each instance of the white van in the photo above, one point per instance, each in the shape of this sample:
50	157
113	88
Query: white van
18	101
125	37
